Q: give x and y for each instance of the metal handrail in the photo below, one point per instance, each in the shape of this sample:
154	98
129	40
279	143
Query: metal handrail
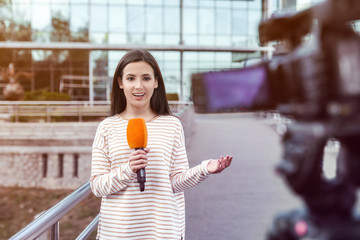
50	218
46	110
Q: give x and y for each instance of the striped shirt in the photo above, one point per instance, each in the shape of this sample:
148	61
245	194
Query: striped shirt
159	211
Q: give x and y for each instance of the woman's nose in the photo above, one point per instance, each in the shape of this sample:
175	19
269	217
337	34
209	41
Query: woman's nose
138	84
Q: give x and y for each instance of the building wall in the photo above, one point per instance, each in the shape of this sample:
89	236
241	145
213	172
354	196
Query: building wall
47	155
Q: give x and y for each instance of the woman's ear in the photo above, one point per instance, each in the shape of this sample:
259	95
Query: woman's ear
156	82
119	82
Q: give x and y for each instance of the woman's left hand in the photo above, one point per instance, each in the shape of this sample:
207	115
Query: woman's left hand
218	165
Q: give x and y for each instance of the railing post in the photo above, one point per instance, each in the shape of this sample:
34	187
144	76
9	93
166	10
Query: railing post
55	231
48	111
16	109
80	113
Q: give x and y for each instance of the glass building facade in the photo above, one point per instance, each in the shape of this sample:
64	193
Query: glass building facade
197	23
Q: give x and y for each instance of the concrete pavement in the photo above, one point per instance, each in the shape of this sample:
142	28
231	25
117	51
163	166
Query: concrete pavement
241	202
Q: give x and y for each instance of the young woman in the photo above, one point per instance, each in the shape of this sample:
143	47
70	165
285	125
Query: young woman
158	212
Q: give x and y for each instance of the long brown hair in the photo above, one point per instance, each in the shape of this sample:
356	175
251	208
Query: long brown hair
158	101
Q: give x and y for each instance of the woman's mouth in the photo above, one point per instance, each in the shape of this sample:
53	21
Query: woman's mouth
138	94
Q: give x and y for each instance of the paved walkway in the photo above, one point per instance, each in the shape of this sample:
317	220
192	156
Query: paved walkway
241	202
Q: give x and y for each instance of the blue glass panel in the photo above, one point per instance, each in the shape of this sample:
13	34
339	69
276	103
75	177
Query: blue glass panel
239	22
154	20
172	20
135	19
98	20
206	21
79	19
190	21
41	17
117	38
254	20
223	21
117	19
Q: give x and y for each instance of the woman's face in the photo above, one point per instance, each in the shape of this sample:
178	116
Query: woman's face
138	82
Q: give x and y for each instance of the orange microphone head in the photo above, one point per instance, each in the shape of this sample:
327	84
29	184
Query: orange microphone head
137	133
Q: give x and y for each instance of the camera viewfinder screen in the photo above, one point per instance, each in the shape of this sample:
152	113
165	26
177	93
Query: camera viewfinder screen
241	89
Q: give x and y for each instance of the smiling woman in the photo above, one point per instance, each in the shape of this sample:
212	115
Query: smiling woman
159	211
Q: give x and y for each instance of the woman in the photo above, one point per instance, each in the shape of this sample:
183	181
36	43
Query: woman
158	212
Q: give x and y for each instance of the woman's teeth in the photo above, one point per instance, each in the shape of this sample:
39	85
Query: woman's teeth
138	94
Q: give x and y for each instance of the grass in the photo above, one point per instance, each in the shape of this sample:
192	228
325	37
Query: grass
19	206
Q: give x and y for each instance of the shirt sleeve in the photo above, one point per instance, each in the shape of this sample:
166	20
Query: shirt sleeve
105	181
181	176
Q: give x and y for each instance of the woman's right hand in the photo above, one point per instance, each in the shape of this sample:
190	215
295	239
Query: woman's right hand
138	160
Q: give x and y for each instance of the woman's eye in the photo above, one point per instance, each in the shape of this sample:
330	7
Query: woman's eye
130	78
147	78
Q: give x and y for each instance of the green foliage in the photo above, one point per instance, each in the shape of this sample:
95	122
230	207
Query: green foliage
45	95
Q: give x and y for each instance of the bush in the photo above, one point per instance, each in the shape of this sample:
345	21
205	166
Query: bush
45	95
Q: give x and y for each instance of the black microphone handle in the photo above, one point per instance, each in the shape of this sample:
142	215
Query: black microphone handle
141	175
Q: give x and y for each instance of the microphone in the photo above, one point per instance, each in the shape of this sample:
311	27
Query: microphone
137	138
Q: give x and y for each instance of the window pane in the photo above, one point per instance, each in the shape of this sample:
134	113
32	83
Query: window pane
172	2
190	56
99	38
135	19
79	17
41	18
98	21
154	38
222	41
136	38
22	13
191	39
172	18
60	11
223	21
207	40
117	38
60	24
190	21
136	2
154	20
239	22
114	58
172	39
207	3
117	2
206	21
154	2
192	3
223	4
77	1
117	19
240	4
254	20
255	4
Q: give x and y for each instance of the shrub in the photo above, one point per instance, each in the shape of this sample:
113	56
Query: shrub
45	95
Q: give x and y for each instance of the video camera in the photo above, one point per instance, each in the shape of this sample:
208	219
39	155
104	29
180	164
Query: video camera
317	82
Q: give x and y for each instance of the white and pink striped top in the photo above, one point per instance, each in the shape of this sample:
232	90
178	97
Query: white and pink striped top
159	211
